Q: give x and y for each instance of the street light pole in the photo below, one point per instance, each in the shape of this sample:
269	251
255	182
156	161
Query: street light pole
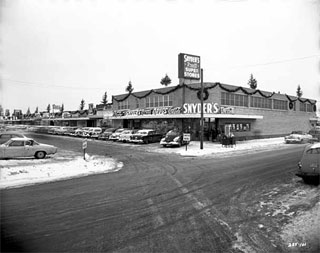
201	120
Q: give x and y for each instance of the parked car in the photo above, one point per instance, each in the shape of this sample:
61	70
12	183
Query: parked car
125	136
70	131
52	129
94	132
81	132
61	130
25	147
298	137
173	138
315	132
115	136
5	136
309	165
106	134
146	136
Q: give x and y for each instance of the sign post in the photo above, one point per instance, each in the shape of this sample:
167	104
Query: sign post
201	120
84	147
186	138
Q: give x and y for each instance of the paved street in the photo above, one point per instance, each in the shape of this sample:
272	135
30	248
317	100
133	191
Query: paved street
162	203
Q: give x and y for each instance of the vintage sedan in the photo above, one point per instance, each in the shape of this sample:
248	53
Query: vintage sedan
25	147
173	138
299	137
125	136
115	136
309	165
107	133
146	136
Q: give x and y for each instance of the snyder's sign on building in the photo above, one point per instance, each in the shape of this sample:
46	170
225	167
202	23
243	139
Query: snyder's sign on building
208	108
189	66
187	108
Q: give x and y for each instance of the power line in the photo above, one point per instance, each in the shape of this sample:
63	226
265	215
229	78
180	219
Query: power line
274	62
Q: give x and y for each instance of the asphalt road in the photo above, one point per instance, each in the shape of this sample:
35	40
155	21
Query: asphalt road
156	203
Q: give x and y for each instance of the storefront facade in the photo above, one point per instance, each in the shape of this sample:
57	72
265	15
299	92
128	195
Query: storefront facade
247	113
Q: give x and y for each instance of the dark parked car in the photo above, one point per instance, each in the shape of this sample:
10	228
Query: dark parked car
315	133
173	138
309	165
146	136
107	133
5	136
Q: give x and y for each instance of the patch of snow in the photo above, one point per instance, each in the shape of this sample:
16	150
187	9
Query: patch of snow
32	171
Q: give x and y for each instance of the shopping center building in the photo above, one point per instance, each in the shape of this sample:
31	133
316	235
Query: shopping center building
247	113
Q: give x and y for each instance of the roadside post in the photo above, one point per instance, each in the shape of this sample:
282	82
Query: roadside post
84	147
186	138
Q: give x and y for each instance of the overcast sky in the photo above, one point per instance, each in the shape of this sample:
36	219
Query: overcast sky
60	51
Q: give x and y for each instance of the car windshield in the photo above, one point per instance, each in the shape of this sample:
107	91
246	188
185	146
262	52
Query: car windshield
119	131
126	132
172	133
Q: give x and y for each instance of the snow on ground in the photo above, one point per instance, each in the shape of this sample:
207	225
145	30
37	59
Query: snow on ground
23	172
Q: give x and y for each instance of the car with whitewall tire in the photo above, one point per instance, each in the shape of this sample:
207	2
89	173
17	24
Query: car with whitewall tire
26	147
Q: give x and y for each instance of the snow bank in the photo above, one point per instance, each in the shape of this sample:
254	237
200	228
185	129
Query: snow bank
22	172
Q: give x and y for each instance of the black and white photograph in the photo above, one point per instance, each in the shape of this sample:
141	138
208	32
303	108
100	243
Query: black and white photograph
139	126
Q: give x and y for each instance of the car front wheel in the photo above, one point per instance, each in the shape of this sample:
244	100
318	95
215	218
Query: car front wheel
40	155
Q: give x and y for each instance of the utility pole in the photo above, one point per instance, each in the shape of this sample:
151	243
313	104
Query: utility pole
201	120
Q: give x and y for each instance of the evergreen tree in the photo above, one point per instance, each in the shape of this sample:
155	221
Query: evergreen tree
82	103
299	91
129	87
37	110
7	113
165	80
1	111
28	111
104	99
252	82
62	108
48	108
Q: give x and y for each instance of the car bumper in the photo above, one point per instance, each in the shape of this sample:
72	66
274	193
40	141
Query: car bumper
171	143
137	141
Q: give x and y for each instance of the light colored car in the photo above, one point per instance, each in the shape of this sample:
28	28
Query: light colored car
61	130
5	136
125	136
52	129
81	132
299	137
116	134
25	147
94	132
309	165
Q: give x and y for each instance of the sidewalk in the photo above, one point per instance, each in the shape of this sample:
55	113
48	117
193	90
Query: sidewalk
216	149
